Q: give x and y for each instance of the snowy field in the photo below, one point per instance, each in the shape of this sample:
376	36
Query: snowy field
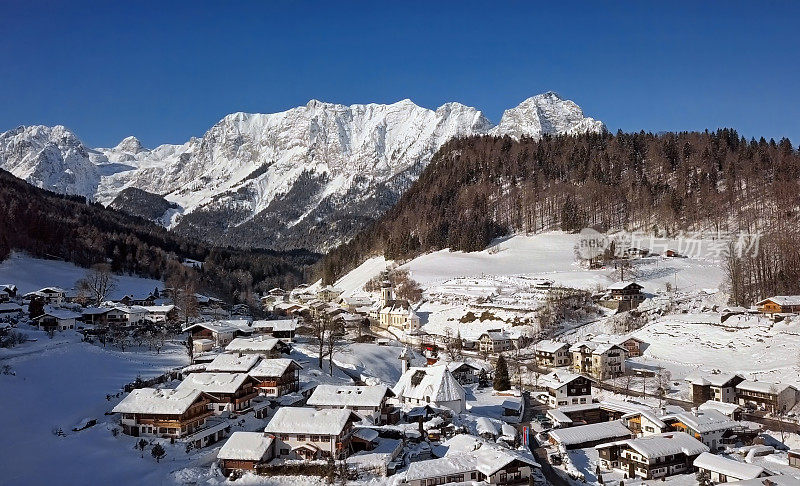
30	274
59	383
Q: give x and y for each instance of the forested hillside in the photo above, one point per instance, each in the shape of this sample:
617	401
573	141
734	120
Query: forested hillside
50	225
478	188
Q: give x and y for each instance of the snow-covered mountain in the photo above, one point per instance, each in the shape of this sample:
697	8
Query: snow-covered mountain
310	176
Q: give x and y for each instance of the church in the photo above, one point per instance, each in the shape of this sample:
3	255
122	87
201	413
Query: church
396	313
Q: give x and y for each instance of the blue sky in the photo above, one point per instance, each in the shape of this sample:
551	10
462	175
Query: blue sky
166	71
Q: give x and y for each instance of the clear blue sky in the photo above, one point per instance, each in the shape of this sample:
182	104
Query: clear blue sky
166	71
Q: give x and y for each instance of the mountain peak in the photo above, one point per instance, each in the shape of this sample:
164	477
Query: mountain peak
545	114
130	145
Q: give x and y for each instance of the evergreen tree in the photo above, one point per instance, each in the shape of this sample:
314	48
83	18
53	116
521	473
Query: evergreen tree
36	307
501	380
158	452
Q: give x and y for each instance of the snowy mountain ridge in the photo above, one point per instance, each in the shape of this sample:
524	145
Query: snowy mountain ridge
320	170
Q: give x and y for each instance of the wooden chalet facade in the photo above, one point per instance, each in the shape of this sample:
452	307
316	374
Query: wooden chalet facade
277	377
163	412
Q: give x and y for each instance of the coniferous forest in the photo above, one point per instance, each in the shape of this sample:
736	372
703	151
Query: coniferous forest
49	225
476	189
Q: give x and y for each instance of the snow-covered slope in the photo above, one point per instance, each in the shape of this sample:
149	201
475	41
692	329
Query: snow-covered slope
52	158
310	176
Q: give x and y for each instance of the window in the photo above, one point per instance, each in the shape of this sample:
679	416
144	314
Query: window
301	438
284	452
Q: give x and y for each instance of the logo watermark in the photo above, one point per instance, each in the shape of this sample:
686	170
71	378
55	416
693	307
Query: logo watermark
594	245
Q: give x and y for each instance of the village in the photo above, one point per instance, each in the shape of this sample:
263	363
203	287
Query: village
359	384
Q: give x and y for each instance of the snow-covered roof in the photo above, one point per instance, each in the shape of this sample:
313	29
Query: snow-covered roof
713	378
214	383
703	421
550	346
348	396
453	464
558	378
762	387
158	401
485	426
722	407
10	307
245	446
782	480
61	313
558	416
307	420
273	367
590	433
94	311
231	363
255	344
492	459
622	285
155	309
213	326
782	300
454	365
276	324
664	444
435	382
728	467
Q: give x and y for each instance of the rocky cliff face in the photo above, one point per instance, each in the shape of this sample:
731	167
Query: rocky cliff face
309	177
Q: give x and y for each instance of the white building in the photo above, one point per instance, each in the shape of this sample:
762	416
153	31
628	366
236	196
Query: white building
57	319
431	385
552	353
396	313
307	433
709	426
565	388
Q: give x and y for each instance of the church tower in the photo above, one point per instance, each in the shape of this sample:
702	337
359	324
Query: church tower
386	292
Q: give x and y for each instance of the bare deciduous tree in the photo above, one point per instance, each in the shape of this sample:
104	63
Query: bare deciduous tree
97	283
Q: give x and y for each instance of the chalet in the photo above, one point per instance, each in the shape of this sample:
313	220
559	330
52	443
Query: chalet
355	303
723	470
57	320
123	315
780	304
432	385
709	427
552	354
652	456
277	328
95	315
220	332
565	388
633	346
773	397
277	377
713	385
259	345
488	463
584	436
307	433
329	293
626	291
50	295
244	451
164	412
231	392
9	289
495	342
464	373
599	360
142	300
231	363
512	407
368	402
161	313
4	296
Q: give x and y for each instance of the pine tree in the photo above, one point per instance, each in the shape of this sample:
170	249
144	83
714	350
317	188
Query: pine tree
158	452
36	307
501	380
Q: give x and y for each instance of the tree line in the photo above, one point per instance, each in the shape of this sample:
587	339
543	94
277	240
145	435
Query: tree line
478	188
49	225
